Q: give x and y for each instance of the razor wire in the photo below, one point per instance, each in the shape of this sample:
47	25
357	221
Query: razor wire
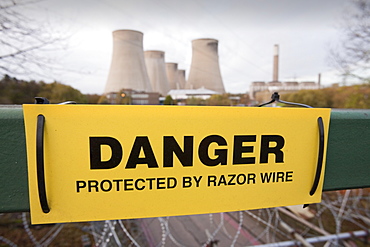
338	212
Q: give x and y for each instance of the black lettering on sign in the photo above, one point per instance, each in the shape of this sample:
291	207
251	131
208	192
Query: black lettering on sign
161	183
197	180
171	185
276	150
137	184
142	151
95	152
231	179
221	153
170	146
107	187
186	182
222	180
275	177
93	184
280	175
241	179
150	182
239	149
80	185
141	143
289	176
267	177
212	180
251	177
117	181
128	184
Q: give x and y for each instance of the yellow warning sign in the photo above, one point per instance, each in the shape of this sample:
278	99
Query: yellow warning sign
88	162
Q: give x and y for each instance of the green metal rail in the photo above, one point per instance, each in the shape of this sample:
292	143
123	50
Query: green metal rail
347	163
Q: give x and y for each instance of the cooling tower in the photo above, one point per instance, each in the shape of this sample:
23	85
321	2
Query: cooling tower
172	75
181	77
127	70
156	68
205	69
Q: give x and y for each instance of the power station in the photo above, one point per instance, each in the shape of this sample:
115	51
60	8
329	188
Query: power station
260	91
134	70
140	76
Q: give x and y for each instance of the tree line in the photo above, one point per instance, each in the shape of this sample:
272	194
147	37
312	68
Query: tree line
14	91
355	96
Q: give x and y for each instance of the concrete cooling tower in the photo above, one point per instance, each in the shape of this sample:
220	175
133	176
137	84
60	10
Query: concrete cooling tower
205	69
172	75
127	70
181	76
156	67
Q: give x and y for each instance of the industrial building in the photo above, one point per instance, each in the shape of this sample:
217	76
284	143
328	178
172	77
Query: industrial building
131	97
183	94
258	88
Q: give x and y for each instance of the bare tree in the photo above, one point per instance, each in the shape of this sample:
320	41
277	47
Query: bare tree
24	41
352	57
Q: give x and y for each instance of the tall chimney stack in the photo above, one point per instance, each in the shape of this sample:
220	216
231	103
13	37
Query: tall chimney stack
275	76
127	70
205	69
156	67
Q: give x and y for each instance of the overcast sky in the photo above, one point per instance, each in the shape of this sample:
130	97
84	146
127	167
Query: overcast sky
246	29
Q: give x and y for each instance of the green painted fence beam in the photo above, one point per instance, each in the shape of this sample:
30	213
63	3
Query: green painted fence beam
348	153
347	165
13	161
